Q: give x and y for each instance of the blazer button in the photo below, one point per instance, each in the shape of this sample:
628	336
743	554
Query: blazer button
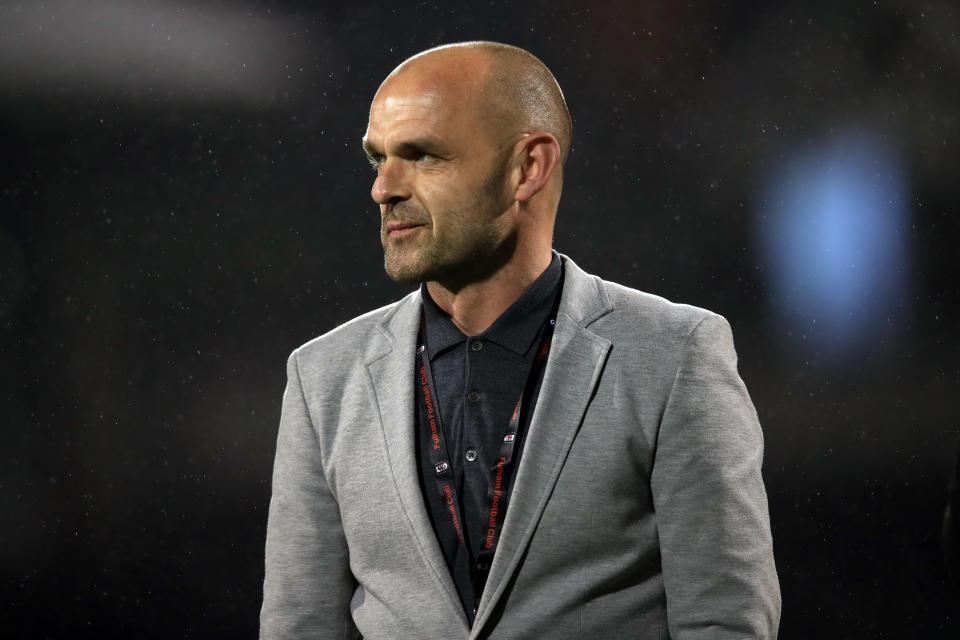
471	455
473	397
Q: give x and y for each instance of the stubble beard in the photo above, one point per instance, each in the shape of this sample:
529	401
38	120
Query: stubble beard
425	257
470	248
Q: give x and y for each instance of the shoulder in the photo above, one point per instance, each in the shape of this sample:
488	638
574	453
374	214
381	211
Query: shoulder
659	313
660	325
609	307
350	341
648	326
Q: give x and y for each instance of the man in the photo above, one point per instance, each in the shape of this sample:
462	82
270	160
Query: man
518	449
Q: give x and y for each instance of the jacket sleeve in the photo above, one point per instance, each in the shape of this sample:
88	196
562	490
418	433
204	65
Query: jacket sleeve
712	515
307	585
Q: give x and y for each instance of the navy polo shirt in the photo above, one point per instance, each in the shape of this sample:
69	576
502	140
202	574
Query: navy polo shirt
477	381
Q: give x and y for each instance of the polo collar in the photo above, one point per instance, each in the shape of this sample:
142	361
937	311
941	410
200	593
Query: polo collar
515	329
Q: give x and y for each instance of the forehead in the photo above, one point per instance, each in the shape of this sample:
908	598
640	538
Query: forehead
392	107
439	103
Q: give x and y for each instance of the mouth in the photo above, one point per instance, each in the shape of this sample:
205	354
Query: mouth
400	229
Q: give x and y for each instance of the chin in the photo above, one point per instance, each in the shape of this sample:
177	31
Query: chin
403	271
404	277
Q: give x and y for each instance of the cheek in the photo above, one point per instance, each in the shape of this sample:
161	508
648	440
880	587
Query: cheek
436	198
453	189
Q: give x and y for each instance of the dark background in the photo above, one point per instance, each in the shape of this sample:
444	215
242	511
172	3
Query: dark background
184	201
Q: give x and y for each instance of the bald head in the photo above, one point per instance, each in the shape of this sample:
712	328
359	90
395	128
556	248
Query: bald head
467	142
509	90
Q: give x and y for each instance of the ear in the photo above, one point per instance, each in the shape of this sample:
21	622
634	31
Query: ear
538	157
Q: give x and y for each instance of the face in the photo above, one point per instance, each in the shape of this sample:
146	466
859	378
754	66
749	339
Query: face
441	183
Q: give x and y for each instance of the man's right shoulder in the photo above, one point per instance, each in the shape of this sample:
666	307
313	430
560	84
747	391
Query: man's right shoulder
350	339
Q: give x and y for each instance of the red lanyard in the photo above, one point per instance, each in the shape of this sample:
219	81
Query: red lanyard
497	495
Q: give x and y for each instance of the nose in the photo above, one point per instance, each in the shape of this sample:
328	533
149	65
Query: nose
390	186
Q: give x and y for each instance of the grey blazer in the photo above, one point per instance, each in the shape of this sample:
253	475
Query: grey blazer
638	509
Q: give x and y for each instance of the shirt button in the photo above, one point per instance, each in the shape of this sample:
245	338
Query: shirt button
471	455
473	397
476	346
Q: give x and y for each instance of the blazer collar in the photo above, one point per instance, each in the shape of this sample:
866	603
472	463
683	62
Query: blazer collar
584	297
391	370
573	370
576	360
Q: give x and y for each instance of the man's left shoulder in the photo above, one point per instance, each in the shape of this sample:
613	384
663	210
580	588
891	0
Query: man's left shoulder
625	315
663	314
654	320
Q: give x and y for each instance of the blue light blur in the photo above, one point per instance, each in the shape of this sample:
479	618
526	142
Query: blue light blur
833	230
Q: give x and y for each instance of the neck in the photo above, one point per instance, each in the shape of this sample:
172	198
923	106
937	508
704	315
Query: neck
475	306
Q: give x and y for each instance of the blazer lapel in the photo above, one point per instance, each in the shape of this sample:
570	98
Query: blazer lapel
573	370
391	366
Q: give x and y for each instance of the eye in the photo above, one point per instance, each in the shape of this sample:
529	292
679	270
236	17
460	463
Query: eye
375	160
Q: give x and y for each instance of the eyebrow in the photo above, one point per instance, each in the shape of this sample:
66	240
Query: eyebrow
368	147
423	143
